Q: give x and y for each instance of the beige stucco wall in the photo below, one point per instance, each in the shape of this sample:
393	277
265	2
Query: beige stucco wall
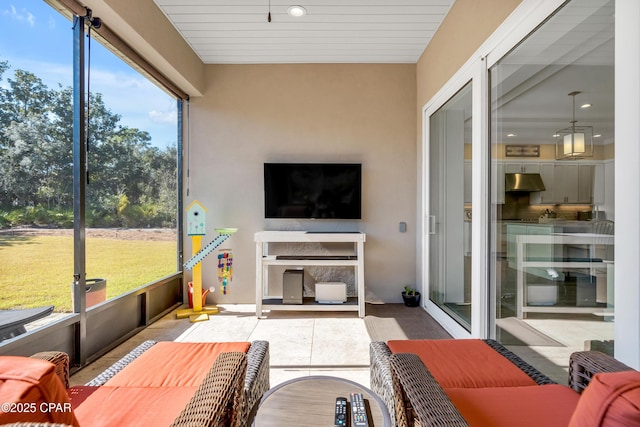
252	114
465	28
467	25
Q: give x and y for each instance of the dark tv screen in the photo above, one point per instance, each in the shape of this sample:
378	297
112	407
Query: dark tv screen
313	190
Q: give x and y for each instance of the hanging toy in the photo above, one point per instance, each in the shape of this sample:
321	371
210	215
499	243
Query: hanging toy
225	269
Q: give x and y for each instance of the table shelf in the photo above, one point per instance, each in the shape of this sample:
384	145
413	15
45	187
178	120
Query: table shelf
264	261
522	263
309	304
310	262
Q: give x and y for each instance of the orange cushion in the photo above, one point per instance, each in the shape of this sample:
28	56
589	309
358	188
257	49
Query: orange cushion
610	399
464	363
80	393
545	405
133	406
33	392
173	364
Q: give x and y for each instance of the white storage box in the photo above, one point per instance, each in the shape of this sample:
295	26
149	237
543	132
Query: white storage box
542	294
331	292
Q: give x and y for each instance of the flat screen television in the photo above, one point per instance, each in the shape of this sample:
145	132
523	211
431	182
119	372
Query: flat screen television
313	190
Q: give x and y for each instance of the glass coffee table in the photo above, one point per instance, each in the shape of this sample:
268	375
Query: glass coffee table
310	401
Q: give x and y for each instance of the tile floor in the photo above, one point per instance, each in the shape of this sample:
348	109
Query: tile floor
571	333
335	343
300	343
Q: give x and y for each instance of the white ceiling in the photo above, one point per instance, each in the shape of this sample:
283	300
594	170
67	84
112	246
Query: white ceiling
332	31
573	52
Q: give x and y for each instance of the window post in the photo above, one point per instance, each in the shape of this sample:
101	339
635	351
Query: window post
79	188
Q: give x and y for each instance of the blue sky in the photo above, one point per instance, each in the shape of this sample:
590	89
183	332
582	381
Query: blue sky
36	38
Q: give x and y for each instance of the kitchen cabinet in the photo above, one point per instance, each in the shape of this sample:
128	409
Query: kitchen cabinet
605	200
547	173
511	167
565	182
573	183
498	195
466	229
585	183
467	181
599	184
522	167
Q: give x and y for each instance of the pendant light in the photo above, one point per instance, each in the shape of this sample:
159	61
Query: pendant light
574	142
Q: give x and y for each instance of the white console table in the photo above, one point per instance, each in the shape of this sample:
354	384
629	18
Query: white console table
556	239
264	260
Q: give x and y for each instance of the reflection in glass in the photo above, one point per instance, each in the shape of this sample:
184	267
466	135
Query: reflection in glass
552	249
450	207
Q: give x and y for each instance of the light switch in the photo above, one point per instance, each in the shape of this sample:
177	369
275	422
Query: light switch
403	227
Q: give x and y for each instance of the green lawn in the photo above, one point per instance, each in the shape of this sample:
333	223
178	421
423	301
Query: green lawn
38	270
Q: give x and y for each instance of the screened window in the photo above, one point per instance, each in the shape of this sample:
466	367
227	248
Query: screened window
131	198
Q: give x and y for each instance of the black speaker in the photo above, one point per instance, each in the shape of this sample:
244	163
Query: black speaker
292	284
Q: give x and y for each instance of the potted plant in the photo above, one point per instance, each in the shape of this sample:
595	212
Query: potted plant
410	296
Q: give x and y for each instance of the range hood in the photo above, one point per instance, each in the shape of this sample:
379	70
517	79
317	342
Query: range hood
523	182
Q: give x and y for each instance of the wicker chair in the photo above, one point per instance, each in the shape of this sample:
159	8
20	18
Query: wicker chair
227	396
415	398
218	401
382	383
256	382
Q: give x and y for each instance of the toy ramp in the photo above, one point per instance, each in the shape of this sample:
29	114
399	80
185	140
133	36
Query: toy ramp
202	254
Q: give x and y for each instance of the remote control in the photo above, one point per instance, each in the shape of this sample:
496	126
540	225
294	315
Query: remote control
358	411
341	412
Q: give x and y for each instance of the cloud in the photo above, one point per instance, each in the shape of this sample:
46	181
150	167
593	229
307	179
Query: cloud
21	16
116	79
163	116
51	73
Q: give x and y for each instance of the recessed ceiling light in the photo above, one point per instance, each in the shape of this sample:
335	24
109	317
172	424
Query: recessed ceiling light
296	11
511	135
555	135
597	135
587	105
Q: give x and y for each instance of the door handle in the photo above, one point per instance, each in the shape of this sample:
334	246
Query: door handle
432	224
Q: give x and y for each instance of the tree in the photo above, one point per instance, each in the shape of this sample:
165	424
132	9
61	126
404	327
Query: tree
28	95
33	165
130	181
25	143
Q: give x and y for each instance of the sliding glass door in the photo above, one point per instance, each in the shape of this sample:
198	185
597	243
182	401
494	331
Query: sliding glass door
449	208
553	212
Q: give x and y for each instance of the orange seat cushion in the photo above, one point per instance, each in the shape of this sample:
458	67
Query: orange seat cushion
30	391
464	363
133	406
80	393
545	405
173	364
610	399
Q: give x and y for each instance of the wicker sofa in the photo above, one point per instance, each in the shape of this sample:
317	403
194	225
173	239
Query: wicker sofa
159	383
482	378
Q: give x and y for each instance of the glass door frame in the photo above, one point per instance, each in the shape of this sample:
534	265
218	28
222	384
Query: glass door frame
525	18
474	72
